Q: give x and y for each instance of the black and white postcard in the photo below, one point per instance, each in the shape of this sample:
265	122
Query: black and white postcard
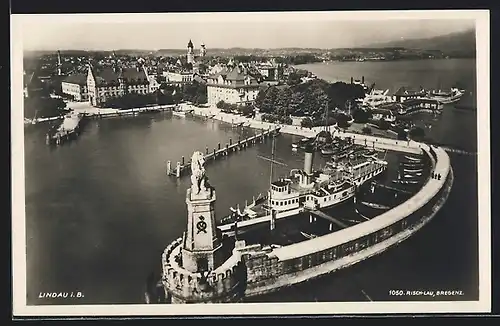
251	163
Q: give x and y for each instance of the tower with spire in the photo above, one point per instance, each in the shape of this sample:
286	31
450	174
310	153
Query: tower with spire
59	64
203	50
190	52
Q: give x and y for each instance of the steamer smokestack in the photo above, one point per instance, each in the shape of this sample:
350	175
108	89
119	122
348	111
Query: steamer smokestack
308	160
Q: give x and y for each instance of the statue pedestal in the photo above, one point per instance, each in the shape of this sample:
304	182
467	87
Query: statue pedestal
201	246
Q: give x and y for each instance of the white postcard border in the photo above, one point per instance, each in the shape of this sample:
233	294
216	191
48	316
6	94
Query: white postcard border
18	200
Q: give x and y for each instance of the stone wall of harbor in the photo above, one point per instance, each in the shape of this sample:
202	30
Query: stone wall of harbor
268	273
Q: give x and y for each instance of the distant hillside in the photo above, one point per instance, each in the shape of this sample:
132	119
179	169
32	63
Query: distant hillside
450	43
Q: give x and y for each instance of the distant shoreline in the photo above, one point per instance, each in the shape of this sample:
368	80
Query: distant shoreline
381	61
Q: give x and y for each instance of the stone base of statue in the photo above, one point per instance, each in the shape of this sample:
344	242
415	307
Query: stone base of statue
202	249
197	268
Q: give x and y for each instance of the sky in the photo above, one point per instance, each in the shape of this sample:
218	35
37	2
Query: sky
260	30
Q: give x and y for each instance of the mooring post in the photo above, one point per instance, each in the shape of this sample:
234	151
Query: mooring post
230	141
206	150
227	149
272	224
182	160
218	146
169	167
215	154
178	170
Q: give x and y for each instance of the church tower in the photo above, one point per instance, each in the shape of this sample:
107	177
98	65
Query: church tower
203	50
190	52
59	63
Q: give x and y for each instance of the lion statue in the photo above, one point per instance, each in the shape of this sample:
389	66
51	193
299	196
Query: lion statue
198	177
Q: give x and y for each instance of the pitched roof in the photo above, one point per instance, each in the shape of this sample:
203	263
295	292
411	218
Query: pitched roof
80	79
199	79
108	76
237	74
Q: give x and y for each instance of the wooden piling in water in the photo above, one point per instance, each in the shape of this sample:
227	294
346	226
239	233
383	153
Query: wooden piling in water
225	151
178	170
169	167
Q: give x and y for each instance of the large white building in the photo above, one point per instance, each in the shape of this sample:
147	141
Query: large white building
178	77
235	87
75	86
107	83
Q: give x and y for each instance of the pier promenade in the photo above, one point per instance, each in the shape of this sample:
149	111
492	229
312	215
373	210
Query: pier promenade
391	144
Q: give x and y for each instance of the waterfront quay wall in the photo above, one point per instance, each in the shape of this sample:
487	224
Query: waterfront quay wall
227	283
405	146
377	142
269	270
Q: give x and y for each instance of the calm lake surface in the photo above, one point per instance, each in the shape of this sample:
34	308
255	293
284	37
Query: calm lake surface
100	210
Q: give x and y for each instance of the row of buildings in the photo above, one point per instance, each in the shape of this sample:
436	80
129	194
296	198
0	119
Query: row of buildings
234	83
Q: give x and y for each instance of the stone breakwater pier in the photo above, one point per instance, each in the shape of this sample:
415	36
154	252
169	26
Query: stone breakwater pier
203	267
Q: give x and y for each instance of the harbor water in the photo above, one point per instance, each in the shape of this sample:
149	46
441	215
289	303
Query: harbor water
100	209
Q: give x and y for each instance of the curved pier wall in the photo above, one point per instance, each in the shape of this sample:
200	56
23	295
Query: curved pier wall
226	284
269	270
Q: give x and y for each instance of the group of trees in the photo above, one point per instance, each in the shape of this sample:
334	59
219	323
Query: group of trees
309	99
194	92
133	100
246	110
295	77
167	94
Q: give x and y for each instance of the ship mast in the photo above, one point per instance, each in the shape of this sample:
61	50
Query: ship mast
273	161
272	221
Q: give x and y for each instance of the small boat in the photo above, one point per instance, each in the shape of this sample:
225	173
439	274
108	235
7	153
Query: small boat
308	236
415	159
374	205
327	150
181	114
412	170
303	143
412	166
371	153
404	182
409	175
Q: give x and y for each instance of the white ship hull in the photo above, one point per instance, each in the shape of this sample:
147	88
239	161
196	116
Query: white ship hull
310	204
